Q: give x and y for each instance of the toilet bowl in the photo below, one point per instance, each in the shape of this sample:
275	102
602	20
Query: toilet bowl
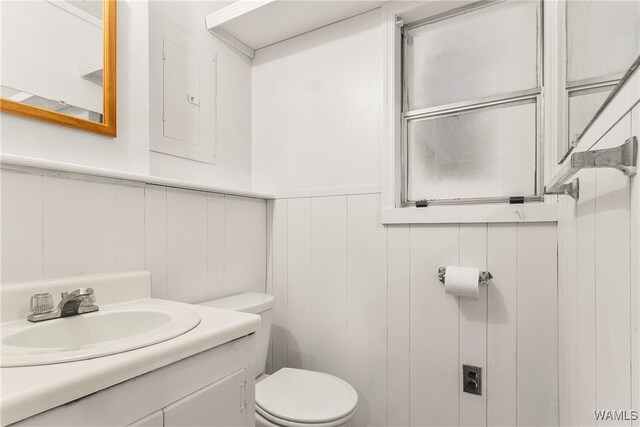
291	397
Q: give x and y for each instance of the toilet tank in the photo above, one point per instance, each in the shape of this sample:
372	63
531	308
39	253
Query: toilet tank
257	303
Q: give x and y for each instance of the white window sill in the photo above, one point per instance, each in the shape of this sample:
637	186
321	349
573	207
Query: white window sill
528	212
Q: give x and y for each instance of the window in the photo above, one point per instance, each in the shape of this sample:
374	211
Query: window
471	105
602	38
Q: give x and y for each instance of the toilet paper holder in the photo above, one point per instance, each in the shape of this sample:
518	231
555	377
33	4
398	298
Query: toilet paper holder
484	278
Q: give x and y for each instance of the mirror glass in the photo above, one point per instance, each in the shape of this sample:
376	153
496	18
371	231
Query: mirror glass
52	55
602	40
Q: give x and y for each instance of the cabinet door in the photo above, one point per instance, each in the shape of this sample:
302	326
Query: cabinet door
154	420
221	404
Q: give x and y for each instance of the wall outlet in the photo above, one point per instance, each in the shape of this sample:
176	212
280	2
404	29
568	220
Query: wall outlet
472	379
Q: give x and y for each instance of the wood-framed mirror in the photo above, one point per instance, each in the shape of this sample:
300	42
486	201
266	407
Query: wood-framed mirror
59	62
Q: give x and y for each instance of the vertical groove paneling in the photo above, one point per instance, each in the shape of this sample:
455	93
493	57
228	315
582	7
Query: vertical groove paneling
612	281
572	310
280	283
392	283
473	322
215	246
398	303
269	281
500	375
431	384
537	372
563	317
22	226
269	247
129	227
299	343
245	243
635	276
186	246
586	297
434	364
67	226
367	308
155	238
612	270
329	284
79	227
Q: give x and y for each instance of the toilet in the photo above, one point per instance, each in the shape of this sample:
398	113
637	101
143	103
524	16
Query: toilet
291	397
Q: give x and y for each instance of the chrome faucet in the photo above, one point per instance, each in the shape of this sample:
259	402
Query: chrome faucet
75	302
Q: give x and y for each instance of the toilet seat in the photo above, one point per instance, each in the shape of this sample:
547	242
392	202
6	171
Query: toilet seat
274	422
297	398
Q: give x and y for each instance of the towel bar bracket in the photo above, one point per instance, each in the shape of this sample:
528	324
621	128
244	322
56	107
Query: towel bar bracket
623	158
570	189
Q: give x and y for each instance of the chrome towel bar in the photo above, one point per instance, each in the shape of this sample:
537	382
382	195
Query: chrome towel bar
484	278
624	158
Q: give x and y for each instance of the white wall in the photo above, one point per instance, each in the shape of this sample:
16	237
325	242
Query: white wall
196	245
233	152
317	108
363	301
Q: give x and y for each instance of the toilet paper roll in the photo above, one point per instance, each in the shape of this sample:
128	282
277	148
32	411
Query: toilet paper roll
462	281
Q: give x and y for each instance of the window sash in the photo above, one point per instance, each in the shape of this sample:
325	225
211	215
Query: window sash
583	89
453	13
534	95
567	57
572	88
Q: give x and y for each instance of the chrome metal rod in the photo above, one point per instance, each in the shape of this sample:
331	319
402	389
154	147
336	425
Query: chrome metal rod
624	158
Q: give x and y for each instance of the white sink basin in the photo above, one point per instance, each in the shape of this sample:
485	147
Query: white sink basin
114	329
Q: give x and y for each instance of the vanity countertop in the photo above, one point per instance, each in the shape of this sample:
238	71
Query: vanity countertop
27	391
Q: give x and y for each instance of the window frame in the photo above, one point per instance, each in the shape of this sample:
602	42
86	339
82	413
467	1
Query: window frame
534	95
391	210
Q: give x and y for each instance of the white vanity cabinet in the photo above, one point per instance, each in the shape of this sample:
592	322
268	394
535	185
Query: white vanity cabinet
154	420
211	388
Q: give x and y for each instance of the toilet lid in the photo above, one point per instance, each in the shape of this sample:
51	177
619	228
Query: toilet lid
305	396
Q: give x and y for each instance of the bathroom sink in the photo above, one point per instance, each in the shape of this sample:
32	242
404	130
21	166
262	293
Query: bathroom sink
114	329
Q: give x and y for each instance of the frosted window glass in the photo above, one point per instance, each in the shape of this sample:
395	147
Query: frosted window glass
487	52
582	108
603	37
483	153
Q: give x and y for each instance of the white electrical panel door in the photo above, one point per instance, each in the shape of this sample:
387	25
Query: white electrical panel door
182	96
181	75
223	403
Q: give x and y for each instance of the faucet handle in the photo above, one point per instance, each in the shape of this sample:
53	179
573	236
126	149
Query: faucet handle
41	303
63	295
